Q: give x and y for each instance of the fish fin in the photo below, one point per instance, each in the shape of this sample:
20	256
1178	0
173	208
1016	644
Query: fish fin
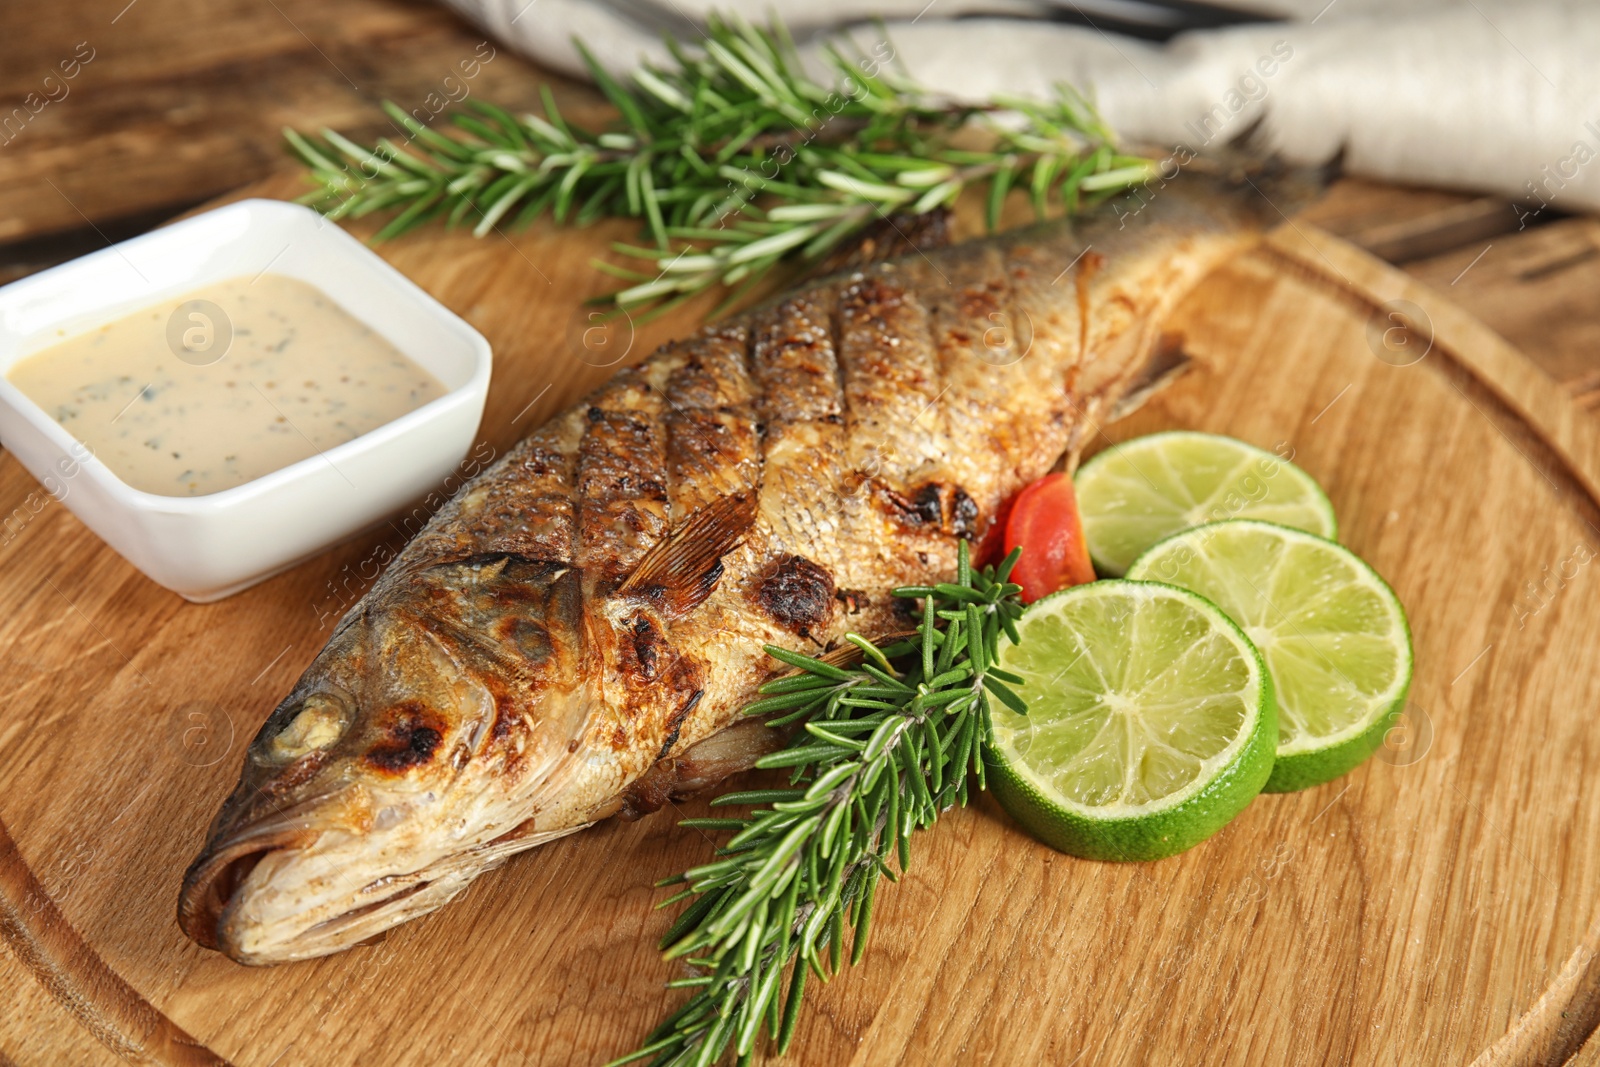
683	568
730	750
1166	362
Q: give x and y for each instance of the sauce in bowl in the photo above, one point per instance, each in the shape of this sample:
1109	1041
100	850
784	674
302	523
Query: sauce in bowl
219	387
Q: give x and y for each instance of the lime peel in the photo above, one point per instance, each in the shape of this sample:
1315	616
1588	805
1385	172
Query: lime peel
1141	491
1147	674
1334	635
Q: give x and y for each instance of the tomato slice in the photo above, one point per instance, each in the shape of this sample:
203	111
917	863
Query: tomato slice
1044	522
993	548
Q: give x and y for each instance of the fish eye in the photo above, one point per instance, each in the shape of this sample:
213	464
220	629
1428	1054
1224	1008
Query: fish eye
319	723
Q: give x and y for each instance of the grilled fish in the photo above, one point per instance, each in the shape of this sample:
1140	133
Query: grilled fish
574	634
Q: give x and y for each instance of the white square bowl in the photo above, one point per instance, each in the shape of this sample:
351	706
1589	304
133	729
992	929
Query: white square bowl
208	547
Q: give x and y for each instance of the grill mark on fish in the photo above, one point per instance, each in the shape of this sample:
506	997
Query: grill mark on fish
940	505
523	504
713	467
713	374
621	479
807	499
675	724
711	449
798	595
413	736
794	359
532	513
711	453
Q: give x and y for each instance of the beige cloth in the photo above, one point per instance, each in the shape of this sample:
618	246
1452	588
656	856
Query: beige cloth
1488	95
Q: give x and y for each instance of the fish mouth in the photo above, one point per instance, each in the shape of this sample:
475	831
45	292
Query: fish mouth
221	908
212	883
279	915
283	891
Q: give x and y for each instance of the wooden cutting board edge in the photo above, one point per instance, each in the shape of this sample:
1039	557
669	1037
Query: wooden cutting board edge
1550	1031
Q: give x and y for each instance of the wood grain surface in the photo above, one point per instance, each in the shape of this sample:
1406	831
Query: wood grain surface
175	101
1437	905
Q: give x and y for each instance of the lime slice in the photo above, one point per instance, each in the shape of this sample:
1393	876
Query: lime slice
1141	491
1150	721
1333	634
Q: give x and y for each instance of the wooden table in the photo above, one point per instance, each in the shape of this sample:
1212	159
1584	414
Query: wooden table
176	101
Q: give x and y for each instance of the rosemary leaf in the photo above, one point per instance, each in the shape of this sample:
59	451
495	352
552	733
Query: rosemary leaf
727	133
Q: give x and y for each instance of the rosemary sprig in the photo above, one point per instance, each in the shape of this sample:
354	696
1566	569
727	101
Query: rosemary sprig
881	749
734	158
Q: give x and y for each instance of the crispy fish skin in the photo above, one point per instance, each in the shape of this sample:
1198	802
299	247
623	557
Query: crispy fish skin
576	632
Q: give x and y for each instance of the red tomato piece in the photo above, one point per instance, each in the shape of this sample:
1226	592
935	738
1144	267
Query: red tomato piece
1044	522
992	548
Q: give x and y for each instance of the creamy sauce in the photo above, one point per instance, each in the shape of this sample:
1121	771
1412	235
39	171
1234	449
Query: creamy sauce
149	395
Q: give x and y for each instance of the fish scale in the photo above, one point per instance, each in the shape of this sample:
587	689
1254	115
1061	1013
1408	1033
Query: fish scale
713	446
532	513
576	632
794	360
982	341
892	384
622	478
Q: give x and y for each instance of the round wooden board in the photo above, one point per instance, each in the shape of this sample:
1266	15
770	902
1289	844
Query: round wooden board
1437	905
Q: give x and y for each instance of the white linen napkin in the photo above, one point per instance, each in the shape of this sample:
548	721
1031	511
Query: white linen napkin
1487	95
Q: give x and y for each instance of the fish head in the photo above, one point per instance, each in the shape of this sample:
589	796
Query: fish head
400	766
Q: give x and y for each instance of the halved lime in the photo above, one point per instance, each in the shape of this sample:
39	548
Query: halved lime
1150	721
1141	491
1334	636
